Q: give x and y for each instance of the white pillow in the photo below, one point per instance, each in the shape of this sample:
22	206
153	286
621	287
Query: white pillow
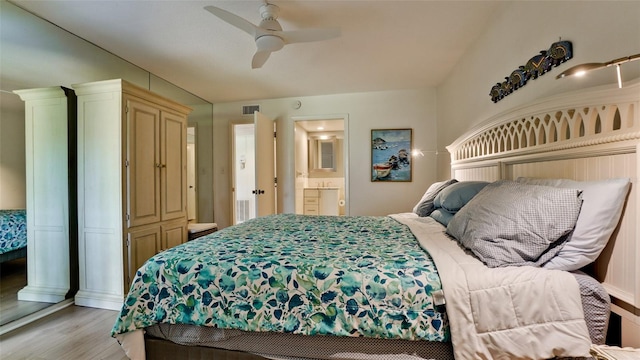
601	209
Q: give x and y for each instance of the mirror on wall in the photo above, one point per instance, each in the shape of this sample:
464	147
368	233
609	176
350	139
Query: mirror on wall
86	63
322	153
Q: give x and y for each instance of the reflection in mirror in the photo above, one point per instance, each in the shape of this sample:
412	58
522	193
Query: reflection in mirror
322	153
13	270
83	62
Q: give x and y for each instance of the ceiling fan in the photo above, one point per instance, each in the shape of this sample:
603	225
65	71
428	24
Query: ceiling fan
268	34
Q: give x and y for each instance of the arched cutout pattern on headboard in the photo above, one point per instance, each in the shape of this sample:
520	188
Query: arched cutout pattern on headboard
558	128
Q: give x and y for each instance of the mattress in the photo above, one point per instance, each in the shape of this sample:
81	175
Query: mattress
596	305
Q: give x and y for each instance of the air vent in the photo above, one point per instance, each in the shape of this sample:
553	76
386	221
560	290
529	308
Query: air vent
250	109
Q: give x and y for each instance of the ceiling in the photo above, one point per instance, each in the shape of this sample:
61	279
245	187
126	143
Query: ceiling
385	45
321	125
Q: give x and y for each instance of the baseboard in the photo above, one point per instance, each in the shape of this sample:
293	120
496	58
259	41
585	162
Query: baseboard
16	324
97	300
42	294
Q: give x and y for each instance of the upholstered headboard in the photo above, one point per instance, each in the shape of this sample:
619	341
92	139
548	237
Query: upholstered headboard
593	134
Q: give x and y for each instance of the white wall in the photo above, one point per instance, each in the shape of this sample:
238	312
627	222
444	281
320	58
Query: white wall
599	30
12	153
388	109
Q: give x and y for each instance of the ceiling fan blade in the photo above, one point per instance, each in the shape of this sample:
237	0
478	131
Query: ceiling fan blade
235	20
259	58
308	35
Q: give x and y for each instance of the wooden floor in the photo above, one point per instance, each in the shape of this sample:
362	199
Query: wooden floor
72	333
13	277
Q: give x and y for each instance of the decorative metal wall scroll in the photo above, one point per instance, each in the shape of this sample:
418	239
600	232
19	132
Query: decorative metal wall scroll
538	65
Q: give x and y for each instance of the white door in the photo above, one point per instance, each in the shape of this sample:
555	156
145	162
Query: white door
191	181
243	172
265	191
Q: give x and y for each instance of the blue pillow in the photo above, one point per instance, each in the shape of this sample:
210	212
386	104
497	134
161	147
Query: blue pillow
457	195
442	216
424	207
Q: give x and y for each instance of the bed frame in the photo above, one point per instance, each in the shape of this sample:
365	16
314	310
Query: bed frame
13	254
592	134
587	135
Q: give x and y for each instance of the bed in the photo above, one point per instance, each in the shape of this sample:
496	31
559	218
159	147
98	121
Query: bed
13	234
421	285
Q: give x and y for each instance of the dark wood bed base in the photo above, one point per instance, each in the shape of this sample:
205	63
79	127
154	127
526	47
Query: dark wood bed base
159	349
13	254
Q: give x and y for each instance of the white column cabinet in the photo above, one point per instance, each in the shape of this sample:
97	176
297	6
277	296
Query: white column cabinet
132	185
50	147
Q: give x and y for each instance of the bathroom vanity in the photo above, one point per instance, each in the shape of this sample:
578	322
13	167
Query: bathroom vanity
321	201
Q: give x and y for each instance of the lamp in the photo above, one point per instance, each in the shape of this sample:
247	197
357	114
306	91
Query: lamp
581	69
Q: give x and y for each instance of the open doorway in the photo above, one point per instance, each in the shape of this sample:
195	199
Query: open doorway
244	174
253	169
321	153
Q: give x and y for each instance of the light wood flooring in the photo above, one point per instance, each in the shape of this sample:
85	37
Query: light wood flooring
13	277
72	333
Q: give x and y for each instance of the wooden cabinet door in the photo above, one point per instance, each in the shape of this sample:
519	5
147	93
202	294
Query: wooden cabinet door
328	202
143	244
173	145
173	234
144	163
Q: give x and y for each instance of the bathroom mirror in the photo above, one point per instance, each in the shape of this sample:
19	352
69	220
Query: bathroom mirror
322	154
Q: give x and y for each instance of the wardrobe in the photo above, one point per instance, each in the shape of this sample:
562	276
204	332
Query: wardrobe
132	185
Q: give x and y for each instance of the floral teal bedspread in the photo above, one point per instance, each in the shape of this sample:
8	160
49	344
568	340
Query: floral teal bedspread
312	275
13	230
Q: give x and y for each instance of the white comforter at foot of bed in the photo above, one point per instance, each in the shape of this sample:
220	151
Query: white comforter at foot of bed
503	313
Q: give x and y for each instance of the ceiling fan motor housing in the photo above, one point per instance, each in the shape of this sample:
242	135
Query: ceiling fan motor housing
270	24
269	43
269	11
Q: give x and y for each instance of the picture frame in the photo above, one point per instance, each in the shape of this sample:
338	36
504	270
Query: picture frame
391	155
